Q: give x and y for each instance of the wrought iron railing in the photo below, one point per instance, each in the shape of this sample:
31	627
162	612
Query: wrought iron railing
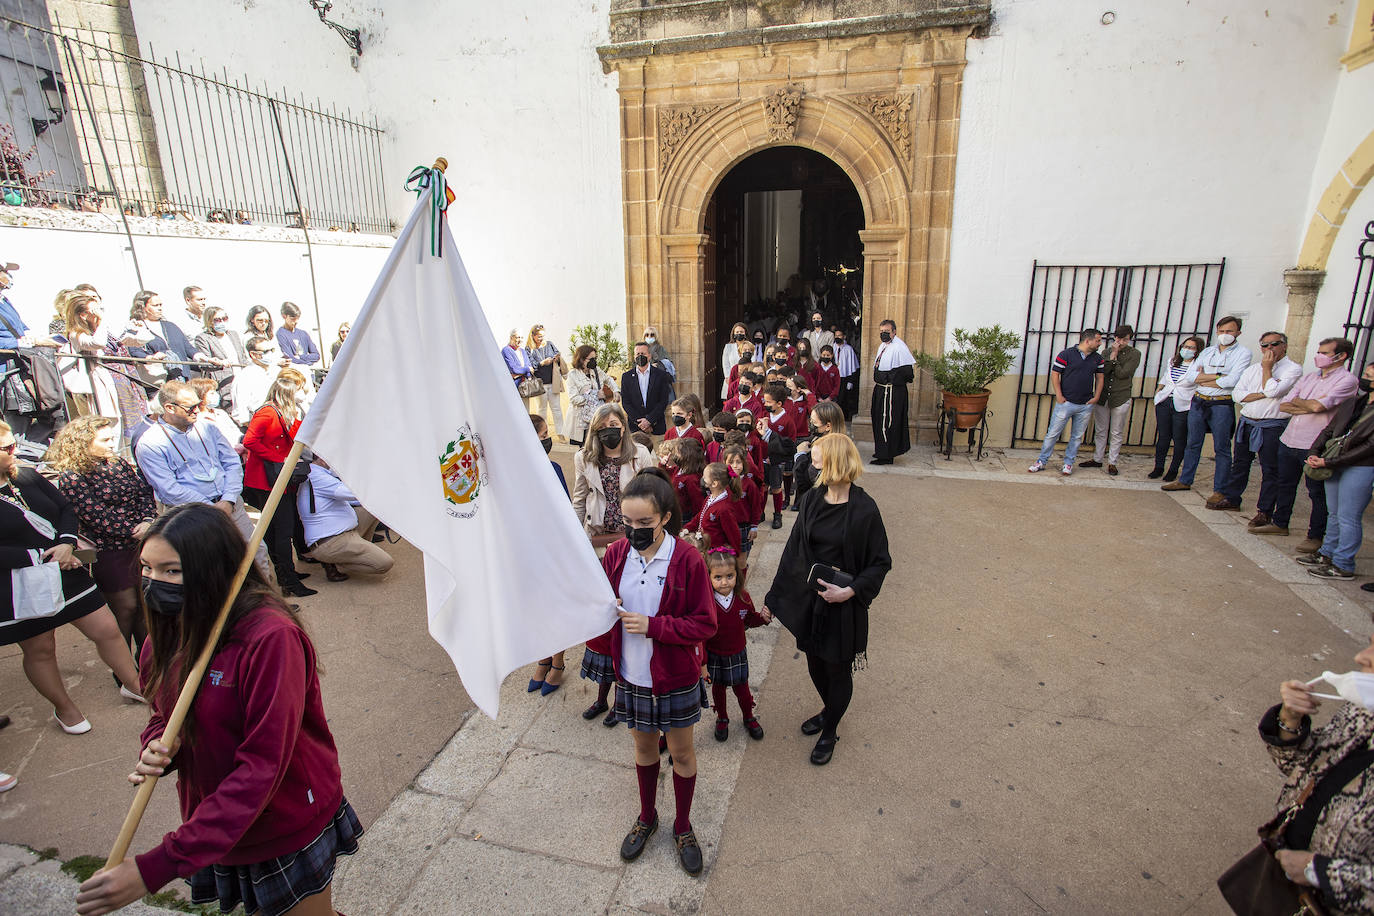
1359	323
93	126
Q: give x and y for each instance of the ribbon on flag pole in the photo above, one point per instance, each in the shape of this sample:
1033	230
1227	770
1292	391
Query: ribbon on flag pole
425	179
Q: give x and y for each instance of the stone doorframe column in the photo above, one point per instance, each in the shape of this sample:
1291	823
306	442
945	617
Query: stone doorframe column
1303	286
884	108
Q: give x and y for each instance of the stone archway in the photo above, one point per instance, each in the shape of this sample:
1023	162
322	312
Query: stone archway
884	107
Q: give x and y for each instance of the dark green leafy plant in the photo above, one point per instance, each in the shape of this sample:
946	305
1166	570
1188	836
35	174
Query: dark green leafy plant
610	349
975	361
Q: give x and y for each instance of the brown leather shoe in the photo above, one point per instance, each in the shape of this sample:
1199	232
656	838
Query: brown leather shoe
1215	498
1224	504
1259	520
1176	486
1111	469
1269	528
1311	545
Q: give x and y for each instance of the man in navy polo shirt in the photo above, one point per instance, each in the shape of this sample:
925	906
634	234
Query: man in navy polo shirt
1076	374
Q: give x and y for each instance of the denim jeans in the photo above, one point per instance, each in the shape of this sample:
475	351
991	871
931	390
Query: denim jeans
1219	418
1241	460
1291	461
1063	413
1171	426
1347	495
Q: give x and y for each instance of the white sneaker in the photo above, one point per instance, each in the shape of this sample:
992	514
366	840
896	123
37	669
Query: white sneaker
1068	469
1038	466
8	782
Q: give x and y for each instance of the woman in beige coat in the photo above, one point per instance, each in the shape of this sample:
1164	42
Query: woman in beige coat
602	468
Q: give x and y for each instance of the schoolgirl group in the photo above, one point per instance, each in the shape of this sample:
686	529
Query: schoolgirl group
266	834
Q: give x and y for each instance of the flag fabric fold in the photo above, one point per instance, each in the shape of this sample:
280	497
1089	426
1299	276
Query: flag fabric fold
420	417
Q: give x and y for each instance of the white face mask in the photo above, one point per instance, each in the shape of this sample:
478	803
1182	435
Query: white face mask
212	399
1355	686
1226	339
1187	353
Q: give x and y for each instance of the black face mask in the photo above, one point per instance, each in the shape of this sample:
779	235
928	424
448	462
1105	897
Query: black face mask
1366	385
609	437
784	342
591	363
739	337
744	389
780	360
825	360
718	436
164	598
839	341
548	445
815	323
815	430
885	336
758	341
640	538
679	419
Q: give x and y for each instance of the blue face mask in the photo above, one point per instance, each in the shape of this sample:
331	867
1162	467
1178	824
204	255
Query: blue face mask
163	598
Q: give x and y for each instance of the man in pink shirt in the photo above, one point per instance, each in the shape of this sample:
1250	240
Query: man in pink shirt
1309	405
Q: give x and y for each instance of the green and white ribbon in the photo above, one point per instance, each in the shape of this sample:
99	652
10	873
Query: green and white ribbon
424	178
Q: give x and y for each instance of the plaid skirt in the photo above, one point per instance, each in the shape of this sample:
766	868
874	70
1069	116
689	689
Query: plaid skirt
639	708
728	670
597	667
275	886
745	544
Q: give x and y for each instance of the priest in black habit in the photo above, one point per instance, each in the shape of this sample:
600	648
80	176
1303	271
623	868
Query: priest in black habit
893	370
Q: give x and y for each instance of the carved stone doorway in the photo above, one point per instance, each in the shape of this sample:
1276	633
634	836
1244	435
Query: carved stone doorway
883	107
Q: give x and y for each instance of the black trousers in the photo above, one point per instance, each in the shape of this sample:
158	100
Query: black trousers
848	396
1171	428
835	685
280	528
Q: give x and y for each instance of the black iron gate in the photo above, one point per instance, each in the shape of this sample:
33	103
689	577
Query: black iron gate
1163	302
1359	324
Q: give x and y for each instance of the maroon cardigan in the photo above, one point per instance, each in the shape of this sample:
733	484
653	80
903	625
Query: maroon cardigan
686	616
259	778
734	620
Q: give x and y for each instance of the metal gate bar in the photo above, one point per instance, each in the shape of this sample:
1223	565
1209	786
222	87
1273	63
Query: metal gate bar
1165	303
1359	323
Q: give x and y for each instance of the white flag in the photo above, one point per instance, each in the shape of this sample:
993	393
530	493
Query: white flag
420	417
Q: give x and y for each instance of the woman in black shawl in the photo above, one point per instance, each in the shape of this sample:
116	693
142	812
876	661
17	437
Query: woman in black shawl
839	526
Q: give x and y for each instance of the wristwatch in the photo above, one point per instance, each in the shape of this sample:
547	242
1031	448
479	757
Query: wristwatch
1310	872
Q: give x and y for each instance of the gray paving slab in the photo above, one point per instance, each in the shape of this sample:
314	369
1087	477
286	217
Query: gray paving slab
42	889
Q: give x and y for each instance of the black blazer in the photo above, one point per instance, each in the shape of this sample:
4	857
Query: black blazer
660	396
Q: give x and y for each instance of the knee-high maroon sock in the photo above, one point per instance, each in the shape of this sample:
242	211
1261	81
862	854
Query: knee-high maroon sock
648	791
746	701
718	701
603	691
777	501
683	788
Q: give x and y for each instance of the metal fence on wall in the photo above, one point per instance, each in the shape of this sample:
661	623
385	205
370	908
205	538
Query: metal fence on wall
1164	303
97	128
1359	323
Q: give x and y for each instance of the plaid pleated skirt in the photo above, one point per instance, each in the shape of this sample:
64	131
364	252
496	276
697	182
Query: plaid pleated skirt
597	667
728	670
275	886
640	708
745	544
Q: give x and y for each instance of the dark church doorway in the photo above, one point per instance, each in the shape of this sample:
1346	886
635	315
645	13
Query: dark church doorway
783	229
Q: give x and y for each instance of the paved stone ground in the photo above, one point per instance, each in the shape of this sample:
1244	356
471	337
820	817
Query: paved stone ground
1058	717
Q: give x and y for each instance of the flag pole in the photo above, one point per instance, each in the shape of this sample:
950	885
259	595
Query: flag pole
197	673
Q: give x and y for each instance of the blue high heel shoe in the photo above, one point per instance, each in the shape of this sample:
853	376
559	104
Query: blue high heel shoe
539	684
550	688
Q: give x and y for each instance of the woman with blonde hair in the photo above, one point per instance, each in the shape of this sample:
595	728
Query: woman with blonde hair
548	365
840	530
114	506
737	350
90	384
268	439
224	346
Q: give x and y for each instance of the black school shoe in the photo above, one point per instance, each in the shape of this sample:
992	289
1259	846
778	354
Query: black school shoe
634	840
824	750
722	729
594	710
777	519
688	852
754	729
813	725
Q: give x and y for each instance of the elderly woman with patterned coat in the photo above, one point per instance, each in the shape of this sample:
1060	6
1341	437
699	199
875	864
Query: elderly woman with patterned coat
1329	843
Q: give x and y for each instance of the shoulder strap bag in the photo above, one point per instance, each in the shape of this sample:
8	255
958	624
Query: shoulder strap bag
300	473
1334	446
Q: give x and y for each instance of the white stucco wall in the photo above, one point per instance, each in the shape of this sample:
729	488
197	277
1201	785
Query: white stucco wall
1171	135
512	94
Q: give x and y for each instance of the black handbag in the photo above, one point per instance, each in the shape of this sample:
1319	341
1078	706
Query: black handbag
1256	884
836	577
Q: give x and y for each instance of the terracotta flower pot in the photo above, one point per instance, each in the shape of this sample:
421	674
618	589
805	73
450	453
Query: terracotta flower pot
968	408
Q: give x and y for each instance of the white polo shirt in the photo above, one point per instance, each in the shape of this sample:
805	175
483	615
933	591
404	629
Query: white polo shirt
641	590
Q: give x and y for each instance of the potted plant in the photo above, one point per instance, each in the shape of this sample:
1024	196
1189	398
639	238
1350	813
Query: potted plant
965	370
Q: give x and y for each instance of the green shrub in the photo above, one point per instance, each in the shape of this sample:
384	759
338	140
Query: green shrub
610	349
975	361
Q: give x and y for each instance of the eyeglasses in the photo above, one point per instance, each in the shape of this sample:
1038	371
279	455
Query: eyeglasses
9	449
1271	345
189	411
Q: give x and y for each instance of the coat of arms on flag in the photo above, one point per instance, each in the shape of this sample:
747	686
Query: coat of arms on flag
460	467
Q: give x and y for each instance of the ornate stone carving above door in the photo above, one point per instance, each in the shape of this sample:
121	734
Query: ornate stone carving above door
893	114
781	107
674	126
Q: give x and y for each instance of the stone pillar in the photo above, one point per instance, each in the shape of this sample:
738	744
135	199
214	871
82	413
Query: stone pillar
684	274
1303	286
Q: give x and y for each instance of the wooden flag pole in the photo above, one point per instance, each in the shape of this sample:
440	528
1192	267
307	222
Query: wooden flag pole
197	673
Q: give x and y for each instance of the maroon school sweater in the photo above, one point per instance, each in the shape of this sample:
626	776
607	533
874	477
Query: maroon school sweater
686	616
731	624
258	777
